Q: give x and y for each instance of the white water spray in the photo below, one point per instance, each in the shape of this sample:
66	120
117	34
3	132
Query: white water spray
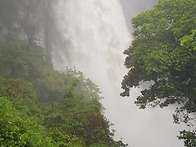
91	36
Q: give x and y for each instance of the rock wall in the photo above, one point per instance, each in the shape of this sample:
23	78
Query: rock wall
24	19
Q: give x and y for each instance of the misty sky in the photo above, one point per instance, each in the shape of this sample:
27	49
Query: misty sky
133	7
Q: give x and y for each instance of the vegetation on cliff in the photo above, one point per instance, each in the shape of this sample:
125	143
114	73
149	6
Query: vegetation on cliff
43	107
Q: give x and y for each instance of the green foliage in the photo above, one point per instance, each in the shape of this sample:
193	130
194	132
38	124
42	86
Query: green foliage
63	140
18	60
17	129
164	52
79	114
189	41
83	86
50	86
14	88
22	95
76	120
69	112
189	138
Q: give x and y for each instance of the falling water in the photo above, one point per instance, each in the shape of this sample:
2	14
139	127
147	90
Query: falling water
91	35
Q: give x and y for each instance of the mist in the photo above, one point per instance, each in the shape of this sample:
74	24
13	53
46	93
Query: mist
42	39
133	7
91	37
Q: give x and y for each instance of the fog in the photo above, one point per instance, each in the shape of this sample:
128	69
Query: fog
133	7
91	36
152	127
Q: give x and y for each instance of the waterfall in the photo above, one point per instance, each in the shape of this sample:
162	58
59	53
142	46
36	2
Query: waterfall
90	35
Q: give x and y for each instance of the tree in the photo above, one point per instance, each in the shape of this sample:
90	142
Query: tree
21	122
164	52
18	129
79	115
19	60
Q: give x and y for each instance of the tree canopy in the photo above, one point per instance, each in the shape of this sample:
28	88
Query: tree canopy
164	52
40	107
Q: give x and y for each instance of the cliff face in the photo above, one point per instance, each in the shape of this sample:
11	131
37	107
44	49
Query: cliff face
23	19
